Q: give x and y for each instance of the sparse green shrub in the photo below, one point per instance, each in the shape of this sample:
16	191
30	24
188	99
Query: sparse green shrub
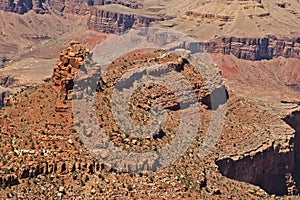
129	187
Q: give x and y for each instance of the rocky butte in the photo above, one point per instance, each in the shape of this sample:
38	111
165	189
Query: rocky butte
41	146
255	45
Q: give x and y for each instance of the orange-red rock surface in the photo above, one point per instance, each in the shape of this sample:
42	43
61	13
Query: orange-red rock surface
255	44
42	155
66	69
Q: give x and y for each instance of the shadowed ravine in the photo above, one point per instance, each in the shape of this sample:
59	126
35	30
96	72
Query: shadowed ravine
274	171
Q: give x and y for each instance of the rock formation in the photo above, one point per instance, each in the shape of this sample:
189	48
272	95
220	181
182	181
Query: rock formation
61	167
145	98
23	6
108	21
108	18
260	48
66	68
83	7
274	164
58	5
291	184
100	19
254	48
68	6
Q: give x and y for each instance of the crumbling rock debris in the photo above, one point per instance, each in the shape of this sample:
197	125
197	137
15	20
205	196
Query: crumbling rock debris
291	184
66	69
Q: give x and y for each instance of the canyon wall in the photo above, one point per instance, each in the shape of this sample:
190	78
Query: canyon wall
107	21
266	169
276	170
294	121
117	22
114	21
22	6
254	48
69	6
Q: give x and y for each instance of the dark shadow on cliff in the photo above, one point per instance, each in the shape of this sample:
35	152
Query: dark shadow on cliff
274	171
294	121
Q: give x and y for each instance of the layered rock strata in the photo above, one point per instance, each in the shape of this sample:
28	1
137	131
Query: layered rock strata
254	48
117	22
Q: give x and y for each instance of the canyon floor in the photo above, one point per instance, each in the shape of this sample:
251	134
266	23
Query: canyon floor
257	154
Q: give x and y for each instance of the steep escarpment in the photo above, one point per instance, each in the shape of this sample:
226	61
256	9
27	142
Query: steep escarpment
110	21
267	168
254	48
294	121
272	164
263	48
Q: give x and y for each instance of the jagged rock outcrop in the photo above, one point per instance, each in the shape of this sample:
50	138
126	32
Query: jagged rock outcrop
291	184
66	68
117	22
121	76
62	167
